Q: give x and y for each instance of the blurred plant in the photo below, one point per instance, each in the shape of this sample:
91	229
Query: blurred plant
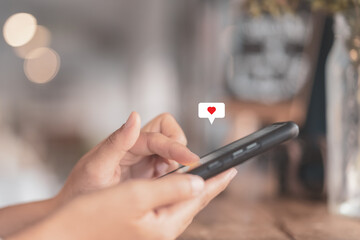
278	7
273	7
335	5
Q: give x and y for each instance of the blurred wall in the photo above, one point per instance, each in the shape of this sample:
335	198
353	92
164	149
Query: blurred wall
98	62
90	63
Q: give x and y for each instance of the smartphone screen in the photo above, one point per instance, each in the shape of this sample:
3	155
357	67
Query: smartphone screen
241	150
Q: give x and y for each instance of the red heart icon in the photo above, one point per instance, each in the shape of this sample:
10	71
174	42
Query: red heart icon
211	110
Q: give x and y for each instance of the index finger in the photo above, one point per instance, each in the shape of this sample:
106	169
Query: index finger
167	125
157	143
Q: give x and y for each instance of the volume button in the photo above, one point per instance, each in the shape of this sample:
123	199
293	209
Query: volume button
214	165
252	146
238	153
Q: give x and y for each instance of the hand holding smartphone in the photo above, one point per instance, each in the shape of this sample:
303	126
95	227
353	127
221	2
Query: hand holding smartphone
241	150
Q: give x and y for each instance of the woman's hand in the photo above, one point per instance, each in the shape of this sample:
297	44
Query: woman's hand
139	209
135	209
158	150
130	153
127	153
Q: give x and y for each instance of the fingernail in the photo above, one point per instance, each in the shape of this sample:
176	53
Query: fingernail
196	157
192	159
233	173
197	185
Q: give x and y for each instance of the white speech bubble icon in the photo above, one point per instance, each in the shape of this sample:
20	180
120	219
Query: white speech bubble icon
211	110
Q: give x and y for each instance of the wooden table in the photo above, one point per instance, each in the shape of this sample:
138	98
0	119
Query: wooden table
235	215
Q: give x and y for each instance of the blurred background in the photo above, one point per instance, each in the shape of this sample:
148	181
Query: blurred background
72	71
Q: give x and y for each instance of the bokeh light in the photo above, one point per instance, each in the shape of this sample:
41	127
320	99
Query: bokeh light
41	65
41	38
19	29
354	55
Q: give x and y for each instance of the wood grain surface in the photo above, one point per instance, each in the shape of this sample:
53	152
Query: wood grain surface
236	214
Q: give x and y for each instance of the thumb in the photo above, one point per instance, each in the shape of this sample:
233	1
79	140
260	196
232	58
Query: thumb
119	142
169	190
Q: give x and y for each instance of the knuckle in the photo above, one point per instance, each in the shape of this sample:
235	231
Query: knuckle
151	136
111	139
154	134
153	139
167	115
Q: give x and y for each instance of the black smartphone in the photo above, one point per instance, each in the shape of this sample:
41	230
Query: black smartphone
241	150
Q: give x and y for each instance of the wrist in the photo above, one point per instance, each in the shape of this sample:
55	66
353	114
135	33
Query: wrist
54	203
56	225
46	207
19	217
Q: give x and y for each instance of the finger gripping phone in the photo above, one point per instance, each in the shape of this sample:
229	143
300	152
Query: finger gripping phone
241	150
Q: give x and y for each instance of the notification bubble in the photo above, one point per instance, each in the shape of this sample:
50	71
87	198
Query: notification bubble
211	110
